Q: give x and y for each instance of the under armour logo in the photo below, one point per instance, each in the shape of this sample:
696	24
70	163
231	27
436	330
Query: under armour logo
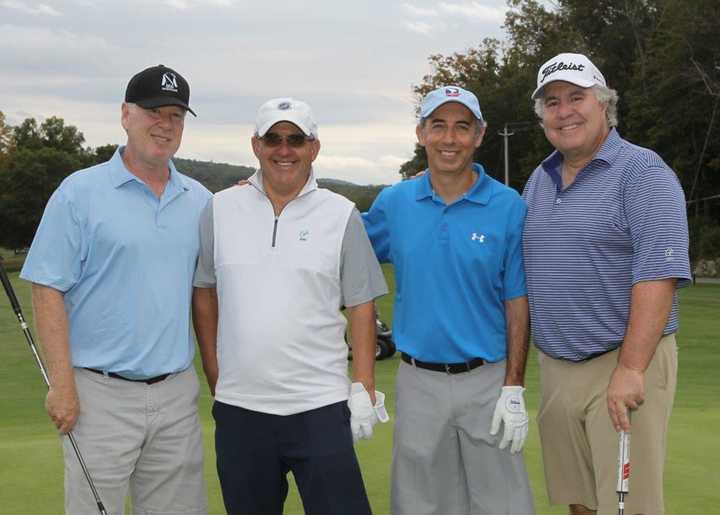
478	237
169	82
304	235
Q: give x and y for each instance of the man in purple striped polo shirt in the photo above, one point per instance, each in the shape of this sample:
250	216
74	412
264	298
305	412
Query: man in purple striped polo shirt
606	247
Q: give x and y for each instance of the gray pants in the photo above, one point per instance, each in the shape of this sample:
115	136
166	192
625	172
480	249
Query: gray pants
444	460
145	438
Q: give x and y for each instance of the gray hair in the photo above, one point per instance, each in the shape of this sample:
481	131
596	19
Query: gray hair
604	95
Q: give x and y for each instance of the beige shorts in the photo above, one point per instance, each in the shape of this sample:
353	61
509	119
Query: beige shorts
580	445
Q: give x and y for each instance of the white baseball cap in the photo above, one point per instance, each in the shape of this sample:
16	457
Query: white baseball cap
573	68
446	94
285	110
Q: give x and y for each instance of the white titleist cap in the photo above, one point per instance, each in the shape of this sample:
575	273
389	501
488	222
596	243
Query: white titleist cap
446	94
285	110
573	68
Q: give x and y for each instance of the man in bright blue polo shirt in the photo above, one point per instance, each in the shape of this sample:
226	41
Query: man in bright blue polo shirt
112	264
460	322
606	246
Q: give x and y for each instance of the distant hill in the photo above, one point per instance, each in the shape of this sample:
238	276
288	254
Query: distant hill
218	176
214	176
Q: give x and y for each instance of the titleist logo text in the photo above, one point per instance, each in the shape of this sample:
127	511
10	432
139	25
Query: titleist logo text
559	66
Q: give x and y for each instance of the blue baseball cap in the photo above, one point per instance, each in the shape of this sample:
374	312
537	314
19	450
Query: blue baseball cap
446	94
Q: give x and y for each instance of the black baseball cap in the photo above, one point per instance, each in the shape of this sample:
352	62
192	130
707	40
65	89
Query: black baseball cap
158	86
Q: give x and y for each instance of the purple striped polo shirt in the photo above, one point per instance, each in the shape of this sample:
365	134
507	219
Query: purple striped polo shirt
622	221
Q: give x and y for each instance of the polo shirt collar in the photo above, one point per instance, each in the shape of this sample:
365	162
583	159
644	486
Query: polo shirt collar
119	174
479	192
606	154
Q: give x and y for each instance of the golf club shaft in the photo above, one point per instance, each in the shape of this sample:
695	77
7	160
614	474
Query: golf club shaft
31	342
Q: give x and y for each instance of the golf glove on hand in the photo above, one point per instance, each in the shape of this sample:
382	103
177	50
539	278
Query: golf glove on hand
363	415
510	410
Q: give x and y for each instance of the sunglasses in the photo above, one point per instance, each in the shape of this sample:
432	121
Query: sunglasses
296	140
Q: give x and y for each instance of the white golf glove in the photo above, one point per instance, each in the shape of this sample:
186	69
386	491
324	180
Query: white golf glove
510	410
363	415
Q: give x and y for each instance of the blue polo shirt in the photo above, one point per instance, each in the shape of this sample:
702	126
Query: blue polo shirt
621	221
124	260
455	266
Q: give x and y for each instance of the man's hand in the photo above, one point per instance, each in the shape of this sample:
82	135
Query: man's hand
510	410
625	392
363	415
63	406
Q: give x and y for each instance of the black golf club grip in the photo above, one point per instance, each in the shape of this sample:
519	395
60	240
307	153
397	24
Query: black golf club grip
9	289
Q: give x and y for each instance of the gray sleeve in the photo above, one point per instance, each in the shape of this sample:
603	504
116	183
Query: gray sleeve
205	269
361	277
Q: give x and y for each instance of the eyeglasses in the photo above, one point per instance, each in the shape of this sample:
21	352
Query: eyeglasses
296	140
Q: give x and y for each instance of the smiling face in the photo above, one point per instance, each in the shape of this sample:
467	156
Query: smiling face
285	167
574	121
450	135
154	135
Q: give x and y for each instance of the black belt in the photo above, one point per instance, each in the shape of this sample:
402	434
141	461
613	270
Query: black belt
449	368
151	380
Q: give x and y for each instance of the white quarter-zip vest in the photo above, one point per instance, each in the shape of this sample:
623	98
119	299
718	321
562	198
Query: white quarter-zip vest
281	346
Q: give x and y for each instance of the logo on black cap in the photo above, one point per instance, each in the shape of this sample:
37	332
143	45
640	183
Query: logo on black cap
169	82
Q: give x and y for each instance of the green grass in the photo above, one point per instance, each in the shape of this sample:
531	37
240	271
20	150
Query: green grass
31	475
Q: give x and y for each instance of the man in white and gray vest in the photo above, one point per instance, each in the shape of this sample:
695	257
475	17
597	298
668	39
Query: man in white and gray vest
279	259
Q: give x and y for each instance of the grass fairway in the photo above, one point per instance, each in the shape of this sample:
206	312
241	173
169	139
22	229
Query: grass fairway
31	475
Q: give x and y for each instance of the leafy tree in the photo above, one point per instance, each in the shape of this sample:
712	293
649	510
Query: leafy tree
6	139
103	153
38	159
26	182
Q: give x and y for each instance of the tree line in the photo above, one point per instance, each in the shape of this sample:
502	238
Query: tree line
663	58
36	157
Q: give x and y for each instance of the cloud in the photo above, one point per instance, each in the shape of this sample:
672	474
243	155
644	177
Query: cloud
474	10
187	4
419	11
418	26
35	10
29	53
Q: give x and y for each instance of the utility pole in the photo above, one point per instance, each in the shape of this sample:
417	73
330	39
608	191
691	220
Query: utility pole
505	134
509	129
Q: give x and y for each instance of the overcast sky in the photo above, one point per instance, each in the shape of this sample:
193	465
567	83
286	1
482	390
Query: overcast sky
354	62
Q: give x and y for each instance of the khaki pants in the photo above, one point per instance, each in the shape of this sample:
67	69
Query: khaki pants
579	444
145	438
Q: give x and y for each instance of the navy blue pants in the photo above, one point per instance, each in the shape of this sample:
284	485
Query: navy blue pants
255	451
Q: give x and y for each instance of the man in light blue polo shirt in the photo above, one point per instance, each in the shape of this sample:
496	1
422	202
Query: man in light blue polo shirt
606	247
112	264
460	322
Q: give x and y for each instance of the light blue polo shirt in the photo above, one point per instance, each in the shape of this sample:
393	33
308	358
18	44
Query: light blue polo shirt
124	259
622	221
455	266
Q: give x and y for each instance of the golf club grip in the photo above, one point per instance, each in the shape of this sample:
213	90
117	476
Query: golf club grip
623	478
9	289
